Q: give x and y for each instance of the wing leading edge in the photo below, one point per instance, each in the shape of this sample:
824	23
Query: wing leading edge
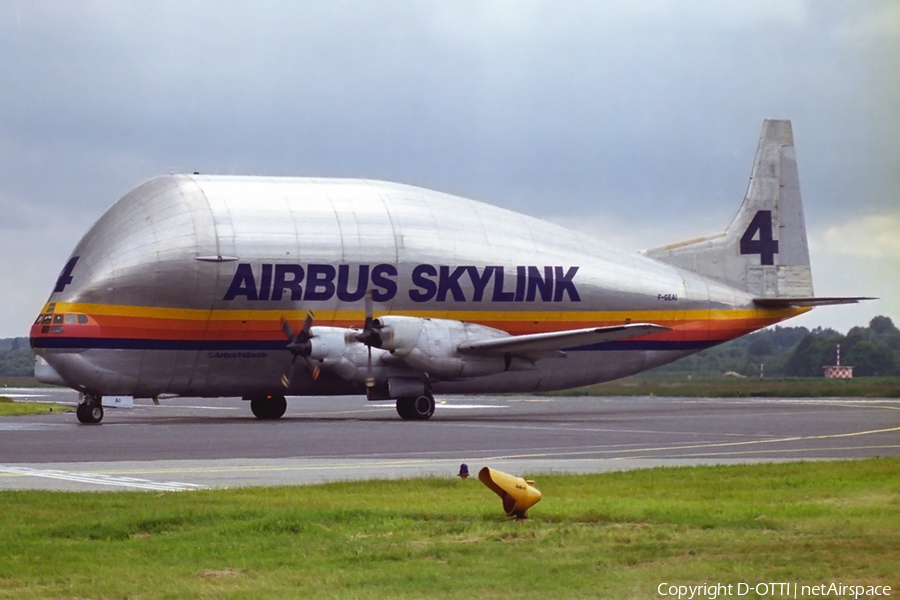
553	342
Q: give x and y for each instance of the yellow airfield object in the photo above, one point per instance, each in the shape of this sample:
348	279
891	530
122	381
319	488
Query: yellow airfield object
517	494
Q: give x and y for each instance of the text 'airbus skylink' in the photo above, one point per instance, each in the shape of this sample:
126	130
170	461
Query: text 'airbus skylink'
271	287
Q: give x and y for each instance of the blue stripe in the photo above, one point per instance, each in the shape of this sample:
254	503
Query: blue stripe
143	344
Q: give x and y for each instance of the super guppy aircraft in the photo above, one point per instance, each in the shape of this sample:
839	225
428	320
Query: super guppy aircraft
266	287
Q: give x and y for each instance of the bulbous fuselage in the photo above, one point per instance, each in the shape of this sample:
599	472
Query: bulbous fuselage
182	285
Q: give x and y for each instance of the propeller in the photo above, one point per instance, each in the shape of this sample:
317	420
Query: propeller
370	336
300	345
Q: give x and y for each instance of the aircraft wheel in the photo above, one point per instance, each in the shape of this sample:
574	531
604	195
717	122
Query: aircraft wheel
404	408
415	408
424	407
90	411
269	408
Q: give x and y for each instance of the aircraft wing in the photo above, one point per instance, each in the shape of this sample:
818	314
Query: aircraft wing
787	301
555	341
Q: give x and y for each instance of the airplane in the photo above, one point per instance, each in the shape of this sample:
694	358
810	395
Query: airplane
269	287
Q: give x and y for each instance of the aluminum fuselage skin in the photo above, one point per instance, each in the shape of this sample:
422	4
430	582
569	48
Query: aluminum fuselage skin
181	286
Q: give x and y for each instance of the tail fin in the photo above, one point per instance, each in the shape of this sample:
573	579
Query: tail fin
764	251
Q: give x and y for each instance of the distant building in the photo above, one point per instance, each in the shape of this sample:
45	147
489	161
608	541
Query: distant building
838	371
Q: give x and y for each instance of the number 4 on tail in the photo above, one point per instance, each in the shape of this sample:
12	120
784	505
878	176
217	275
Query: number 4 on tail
764	244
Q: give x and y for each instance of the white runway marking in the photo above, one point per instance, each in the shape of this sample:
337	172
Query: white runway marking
32	426
445	406
197	407
99	479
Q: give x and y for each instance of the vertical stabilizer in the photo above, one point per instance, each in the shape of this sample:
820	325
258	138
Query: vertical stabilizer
764	251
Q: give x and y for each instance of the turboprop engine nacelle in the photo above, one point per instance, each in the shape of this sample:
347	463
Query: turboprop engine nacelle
431	345
332	347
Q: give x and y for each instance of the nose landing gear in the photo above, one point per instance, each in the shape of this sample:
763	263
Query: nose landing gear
90	409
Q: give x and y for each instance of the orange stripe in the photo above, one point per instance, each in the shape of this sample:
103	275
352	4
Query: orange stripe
114	326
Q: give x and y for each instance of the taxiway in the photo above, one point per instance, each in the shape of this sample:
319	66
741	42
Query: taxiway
191	443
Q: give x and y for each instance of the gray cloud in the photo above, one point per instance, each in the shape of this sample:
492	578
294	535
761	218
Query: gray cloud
570	110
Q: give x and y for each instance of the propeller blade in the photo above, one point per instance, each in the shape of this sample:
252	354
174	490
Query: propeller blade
286	328
286	378
307	326
299	345
370	335
305	333
314	369
369	311
370	379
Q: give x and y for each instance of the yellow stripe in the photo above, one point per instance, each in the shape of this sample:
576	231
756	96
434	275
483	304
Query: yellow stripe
115	310
196	314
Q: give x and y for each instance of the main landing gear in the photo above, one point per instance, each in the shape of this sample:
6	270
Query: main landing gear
90	409
268	407
415	408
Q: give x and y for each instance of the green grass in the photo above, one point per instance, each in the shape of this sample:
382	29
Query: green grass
727	387
615	535
9	408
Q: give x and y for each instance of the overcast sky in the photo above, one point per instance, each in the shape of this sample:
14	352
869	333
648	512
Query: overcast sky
636	122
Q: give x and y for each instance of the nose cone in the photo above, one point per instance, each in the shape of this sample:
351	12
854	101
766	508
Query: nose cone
143	250
141	253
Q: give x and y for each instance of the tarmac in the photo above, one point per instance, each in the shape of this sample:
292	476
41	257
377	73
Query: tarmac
195	443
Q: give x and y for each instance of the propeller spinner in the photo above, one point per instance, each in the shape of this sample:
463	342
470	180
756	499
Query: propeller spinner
300	345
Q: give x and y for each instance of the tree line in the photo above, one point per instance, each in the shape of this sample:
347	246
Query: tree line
16	358
873	351
777	352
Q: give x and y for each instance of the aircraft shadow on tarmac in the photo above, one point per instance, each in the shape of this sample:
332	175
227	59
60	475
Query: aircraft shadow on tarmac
606	415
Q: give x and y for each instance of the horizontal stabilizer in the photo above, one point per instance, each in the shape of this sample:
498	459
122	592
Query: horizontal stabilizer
555	341
808	301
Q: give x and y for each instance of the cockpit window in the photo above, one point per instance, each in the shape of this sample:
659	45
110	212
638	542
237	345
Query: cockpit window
46	320
71	319
57	319
38	320
82	319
